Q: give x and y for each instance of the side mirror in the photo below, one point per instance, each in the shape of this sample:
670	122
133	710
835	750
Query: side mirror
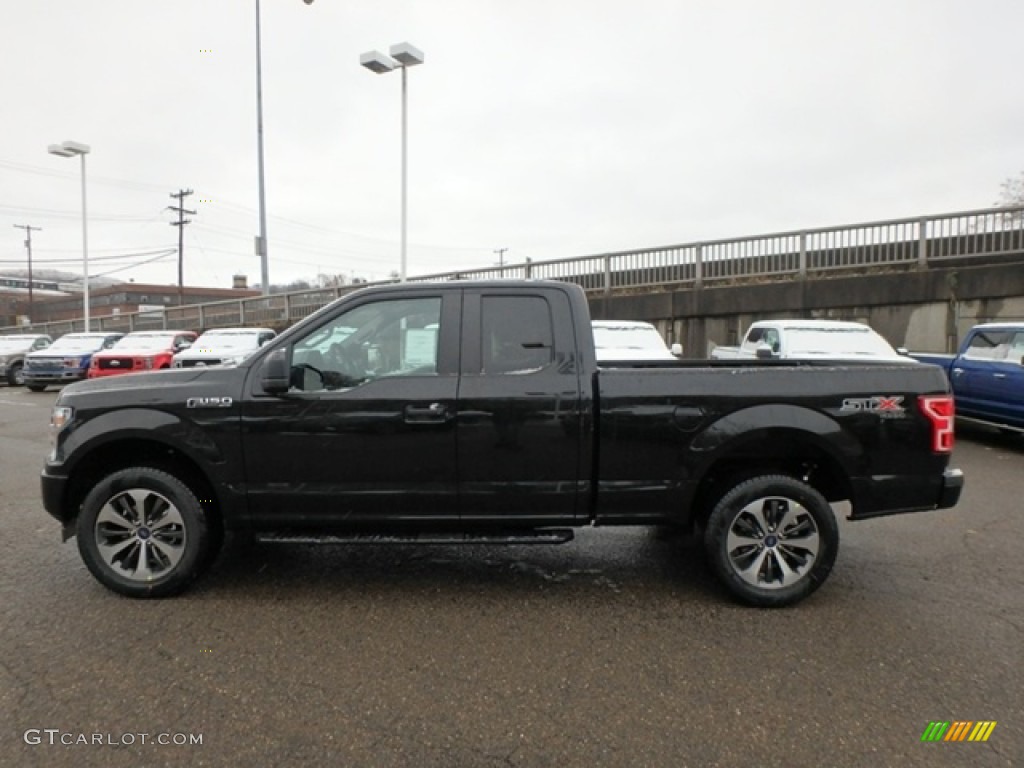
902	351
274	374
765	352
677	349
182	346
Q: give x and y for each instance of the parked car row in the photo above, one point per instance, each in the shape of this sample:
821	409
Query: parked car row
986	376
36	361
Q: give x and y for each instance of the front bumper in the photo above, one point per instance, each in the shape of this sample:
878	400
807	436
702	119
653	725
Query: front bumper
54	489
53	377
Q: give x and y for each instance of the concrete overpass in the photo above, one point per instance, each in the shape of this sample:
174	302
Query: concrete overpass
921	282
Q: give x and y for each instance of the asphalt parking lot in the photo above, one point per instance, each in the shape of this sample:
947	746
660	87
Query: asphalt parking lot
618	649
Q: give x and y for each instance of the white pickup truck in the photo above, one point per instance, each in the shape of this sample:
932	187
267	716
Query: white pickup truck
811	340
618	341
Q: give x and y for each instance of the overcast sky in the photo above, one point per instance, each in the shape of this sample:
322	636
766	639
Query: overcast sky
552	128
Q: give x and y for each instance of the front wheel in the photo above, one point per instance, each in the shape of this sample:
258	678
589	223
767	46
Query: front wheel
142	533
772	540
15	375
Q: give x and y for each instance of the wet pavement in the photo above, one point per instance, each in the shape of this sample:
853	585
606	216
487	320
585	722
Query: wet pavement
618	649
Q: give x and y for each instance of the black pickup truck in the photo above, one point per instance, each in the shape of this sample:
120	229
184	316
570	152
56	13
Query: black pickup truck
475	412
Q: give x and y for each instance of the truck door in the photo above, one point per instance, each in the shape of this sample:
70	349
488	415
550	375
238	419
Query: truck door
989	376
521	420
366	432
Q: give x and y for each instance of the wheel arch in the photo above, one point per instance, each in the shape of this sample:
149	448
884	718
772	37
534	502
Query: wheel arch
127	452
795	452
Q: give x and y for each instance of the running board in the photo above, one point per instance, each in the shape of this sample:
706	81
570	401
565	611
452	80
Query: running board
546	536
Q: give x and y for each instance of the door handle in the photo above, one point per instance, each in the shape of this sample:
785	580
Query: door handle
432	414
999	375
958	371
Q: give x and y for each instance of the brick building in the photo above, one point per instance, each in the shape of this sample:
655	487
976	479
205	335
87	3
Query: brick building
124	298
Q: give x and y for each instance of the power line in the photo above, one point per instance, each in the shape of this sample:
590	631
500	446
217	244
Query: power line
113	257
164	255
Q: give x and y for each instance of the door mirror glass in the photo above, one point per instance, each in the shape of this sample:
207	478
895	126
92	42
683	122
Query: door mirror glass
274	374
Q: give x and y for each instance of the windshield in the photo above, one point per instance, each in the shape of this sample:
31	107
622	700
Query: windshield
835	342
635	338
155	341
227	340
16	342
66	344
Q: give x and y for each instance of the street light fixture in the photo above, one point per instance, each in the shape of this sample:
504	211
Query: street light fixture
70	149
403	56
261	241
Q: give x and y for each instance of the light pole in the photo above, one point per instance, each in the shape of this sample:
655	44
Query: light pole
70	149
261	242
403	56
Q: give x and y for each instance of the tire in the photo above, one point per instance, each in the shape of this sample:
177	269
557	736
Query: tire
772	540
36	387
15	377
157	555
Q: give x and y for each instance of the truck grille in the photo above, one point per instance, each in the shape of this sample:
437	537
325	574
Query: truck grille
116	363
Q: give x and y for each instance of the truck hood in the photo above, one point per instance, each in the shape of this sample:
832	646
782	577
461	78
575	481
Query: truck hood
133	352
213	353
168	385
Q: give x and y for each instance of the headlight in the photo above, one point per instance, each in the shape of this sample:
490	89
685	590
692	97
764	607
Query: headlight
147	363
60	417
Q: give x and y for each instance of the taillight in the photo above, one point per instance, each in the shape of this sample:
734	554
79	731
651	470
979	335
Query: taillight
940	412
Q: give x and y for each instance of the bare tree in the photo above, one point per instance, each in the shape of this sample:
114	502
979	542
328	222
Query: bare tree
1011	193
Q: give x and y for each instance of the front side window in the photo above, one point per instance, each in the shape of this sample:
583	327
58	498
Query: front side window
989	345
397	337
517	334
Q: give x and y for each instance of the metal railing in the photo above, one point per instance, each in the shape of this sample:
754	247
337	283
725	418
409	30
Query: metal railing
896	243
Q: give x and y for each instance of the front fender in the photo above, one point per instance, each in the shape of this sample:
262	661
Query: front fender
79	440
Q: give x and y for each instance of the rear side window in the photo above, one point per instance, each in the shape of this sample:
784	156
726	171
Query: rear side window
517	334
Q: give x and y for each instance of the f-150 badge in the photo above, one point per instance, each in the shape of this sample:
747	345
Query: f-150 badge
886	406
208	402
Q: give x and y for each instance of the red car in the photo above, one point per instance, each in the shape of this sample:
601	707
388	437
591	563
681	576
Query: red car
140	351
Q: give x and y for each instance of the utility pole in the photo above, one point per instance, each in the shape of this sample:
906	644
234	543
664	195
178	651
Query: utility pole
501	256
28	246
180	224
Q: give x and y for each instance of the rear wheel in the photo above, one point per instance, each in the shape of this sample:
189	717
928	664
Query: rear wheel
143	533
772	540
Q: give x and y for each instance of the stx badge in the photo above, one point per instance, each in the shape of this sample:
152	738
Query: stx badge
888	407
